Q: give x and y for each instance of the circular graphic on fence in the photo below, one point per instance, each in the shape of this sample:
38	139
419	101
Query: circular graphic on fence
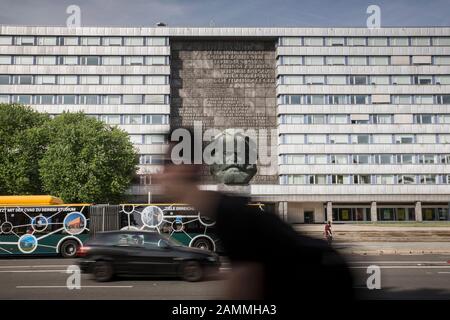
177	225
75	223
27	243
6	227
206	221
152	216
39	223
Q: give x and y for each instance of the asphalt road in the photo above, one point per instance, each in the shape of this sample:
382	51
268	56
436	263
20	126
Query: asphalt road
402	277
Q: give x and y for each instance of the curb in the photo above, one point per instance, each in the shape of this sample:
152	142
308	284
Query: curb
394	251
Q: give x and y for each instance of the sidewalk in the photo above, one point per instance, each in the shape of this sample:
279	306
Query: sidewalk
388	248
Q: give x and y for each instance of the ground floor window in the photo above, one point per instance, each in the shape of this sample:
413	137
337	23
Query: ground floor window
351	214
433	214
395	214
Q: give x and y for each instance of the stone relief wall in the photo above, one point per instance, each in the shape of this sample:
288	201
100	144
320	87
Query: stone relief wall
225	84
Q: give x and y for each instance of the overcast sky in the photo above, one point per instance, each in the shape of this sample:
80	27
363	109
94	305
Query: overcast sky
204	13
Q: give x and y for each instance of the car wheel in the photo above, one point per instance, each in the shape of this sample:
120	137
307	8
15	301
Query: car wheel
203	243
192	271
103	271
69	248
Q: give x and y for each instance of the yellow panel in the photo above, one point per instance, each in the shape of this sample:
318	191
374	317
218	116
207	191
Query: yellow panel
30	200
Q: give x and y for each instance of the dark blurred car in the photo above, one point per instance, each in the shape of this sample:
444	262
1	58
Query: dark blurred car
143	253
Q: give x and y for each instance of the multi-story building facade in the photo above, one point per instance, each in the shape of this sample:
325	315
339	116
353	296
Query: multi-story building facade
362	115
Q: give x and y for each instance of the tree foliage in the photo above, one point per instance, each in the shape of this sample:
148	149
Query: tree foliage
72	156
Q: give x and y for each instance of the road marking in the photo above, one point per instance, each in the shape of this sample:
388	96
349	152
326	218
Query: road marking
37	266
443	272
65	287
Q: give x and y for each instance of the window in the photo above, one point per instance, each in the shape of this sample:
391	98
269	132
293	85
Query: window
361	179
340	179
156	79
361	159
156	60
359	99
70	60
445	159
25	41
401	80
338	138
313	41
401	99
134	61
423	79
156	119
112	99
49	60
377	41
292	138
336	80
68	80
154	139
314	60
23	79
134	41
90	60
356	41
337	119
294	179
424	118
4	79
381	118
291	41
132	99
335	60
398	41
48	79
379	79
384	179
443	99
293	119
339	159
112	61
111	80
442	60
317	179
317	159
151	159
423	99
89	99
291	99
90	41
26	60
444	118
132	119
112	41
315	99
335	41
384	159
378	61
406	179
135	138
425	138
337	99
316	119
156	41
110	118
444	138
5	59
5	40
427	159
70	41
133	80
90	79
361	138
441	41
358	80
23	99
316	138
45	99
406	159
420	41
357	61
315	79
155	99
404	139
46	41
4	98
293	159
291	60
382	138
67	99
442	79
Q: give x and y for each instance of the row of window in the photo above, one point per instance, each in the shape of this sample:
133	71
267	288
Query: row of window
359	119
132	118
365	79
151	159
299	159
364	138
362	60
83	41
148	138
86	99
364	41
390	214
365	179
85	60
84	79
363	99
